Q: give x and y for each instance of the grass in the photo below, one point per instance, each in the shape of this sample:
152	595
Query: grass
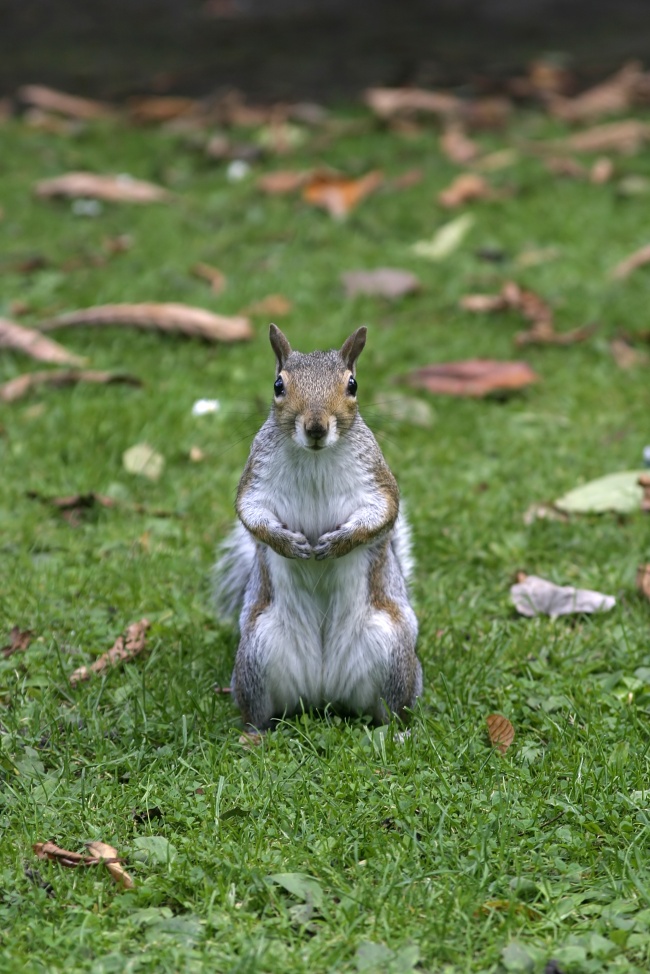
333	847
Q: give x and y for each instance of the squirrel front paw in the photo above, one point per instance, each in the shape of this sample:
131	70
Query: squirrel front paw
291	544
333	545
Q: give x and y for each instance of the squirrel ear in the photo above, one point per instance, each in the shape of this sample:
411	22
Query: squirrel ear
280	346
353	347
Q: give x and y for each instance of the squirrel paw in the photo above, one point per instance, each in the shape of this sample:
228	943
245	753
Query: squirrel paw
331	545
294	545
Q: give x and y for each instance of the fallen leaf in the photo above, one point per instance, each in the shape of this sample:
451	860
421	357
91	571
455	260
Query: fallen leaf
445	240
19	640
112	189
473	377
108	855
465	188
501	732
49	850
385	282
565	166
548	76
34	344
272	306
625	355
215	278
143	461
124	649
388	102
51	100
643	580
644	484
617	492
638	259
160	317
491	112
457	146
338	194
19	387
615	94
533	308
155	109
625	137
73	505
536	596
284	181
543	512
406	409
493	161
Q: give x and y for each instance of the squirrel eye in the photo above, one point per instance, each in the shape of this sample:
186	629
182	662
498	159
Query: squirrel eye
278	386
352	386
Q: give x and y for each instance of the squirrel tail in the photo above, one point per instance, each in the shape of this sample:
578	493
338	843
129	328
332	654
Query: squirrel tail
236	557
402	547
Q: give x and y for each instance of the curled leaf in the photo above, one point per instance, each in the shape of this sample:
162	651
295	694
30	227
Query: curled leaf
215	278
112	189
34	344
50	100
338	194
158	317
501	732
124	649
534	596
108	855
465	188
446	239
457	146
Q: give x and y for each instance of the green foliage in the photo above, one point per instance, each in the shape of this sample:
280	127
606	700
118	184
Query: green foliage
331	847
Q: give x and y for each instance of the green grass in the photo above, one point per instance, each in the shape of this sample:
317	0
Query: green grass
437	850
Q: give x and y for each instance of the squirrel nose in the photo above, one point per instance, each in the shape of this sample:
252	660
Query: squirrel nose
315	430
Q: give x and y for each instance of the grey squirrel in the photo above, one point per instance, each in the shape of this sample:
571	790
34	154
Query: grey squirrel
319	562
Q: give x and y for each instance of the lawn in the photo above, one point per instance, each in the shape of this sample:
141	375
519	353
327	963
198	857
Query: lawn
333	846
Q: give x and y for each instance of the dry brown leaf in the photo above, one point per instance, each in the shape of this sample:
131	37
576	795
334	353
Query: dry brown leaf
338	194
125	648
72	506
272	306
483	303
492	112
388	102
631	263
644	482
625	355
501	732
465	188
57	101
251	739
215	278
35	345
543	333
284	181
643	580
112	189
548	77
19	387
182	318
625	137
108	855
472	377
386	282
615	94
49	850
19	640
457	146
156	109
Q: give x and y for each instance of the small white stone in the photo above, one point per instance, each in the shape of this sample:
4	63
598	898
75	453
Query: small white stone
237	170
204	406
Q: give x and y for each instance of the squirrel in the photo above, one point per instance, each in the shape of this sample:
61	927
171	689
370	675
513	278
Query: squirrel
319	562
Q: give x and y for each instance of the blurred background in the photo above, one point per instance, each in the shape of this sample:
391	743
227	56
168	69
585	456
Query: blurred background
319	49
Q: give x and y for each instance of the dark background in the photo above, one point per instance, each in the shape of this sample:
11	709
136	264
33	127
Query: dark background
322	49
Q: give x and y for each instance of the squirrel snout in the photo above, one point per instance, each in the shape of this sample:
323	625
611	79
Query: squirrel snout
316	430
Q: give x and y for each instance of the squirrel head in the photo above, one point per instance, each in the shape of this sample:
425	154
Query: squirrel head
315	395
